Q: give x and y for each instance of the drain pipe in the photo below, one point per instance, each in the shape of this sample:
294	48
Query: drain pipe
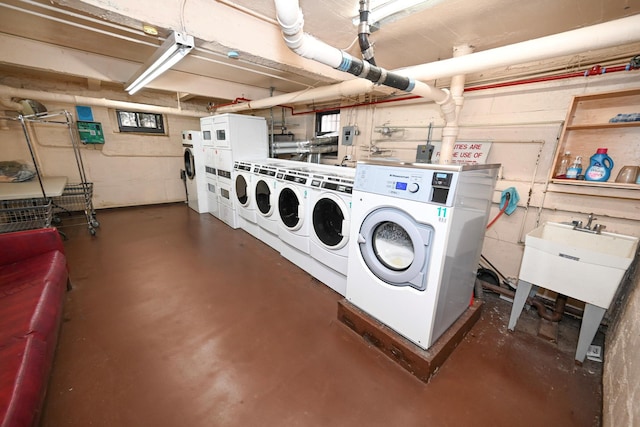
291	21
451	128
364	32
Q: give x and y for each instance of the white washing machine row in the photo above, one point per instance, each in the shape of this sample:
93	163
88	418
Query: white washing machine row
415	240
330	202
194	169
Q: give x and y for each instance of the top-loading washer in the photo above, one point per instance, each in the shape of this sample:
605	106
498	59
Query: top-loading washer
414	243
265	190
243	179
194	159
330	202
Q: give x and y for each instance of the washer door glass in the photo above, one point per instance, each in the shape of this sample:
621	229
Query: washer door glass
288	205
395	247
189	164
242	190
263	197
329	223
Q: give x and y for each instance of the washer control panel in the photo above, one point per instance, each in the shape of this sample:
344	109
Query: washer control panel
419	184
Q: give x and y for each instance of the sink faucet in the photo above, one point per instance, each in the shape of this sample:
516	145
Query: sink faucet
597	228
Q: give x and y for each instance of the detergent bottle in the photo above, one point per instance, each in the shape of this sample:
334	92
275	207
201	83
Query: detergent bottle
600	167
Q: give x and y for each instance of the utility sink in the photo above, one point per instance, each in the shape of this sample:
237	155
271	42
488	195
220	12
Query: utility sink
585	266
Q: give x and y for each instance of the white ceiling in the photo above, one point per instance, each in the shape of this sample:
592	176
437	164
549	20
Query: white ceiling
102	42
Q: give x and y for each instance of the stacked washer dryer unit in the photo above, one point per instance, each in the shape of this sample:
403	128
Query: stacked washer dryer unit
245	199
294	211
330	206
235	137
194	160
265	190
415	241
211	174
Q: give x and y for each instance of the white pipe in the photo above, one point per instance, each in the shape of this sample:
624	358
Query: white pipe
348	88
99	102
615	33
451	128
609	34
291	21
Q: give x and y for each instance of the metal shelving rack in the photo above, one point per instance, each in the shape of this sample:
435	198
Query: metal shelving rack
77	197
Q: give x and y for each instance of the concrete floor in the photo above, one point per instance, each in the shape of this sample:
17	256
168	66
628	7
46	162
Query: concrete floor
177	320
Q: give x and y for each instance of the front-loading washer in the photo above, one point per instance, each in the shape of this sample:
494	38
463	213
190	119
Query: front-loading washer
294	214
330	202
265	190
414	243
244	197
194	169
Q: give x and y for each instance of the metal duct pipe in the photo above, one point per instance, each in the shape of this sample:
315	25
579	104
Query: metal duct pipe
313	149
289	144
101	102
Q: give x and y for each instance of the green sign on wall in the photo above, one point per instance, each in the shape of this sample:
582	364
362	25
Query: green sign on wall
90	132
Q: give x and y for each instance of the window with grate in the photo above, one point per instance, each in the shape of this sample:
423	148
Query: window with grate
139	122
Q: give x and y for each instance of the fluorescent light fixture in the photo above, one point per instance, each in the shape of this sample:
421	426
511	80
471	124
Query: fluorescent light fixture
174	48
395	9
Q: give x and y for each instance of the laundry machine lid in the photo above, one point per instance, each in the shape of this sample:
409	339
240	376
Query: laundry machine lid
395	247
330	218
189	163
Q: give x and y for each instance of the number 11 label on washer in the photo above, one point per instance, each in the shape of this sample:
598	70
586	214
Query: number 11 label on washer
442	214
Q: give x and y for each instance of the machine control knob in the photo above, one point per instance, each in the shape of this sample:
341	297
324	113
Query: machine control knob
413	187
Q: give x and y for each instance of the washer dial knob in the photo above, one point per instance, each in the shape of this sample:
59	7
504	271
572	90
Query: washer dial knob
413	187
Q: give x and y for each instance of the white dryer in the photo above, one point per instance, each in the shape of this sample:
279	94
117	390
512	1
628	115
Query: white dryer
294	213
265	190
194	158
245	201
330	202
414	243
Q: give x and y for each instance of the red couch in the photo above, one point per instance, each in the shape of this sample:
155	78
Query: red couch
33	276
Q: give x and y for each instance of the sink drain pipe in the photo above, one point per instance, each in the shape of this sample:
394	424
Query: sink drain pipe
291	22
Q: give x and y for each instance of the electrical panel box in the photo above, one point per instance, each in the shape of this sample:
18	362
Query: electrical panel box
424	153
348	134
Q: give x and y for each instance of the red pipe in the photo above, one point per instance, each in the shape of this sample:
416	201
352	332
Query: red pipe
590	72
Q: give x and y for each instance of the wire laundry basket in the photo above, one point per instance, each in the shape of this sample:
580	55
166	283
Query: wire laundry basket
25	214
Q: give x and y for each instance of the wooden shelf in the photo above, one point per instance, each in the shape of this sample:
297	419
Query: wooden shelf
591	126
587	128
607	184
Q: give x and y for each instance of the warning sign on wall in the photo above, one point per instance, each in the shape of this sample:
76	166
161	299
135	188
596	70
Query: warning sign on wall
465	152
